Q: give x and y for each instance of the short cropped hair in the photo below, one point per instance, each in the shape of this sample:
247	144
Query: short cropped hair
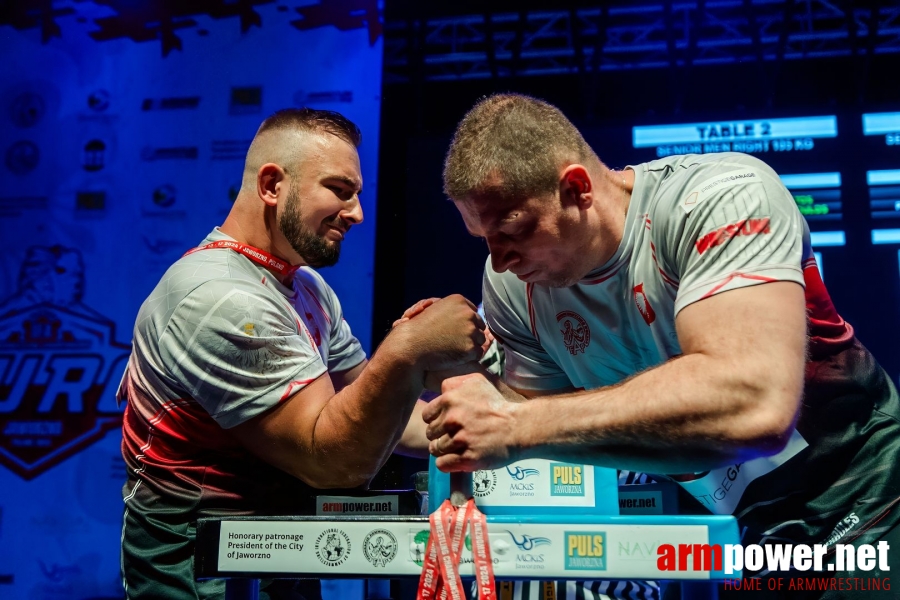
313	120
512	146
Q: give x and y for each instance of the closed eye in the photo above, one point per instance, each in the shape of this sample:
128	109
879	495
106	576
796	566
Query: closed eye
341	192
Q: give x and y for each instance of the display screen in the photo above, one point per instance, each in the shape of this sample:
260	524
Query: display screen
761	136
843	171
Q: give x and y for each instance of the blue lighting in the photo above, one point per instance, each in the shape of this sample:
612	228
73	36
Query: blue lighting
886	236
809	181
727	131
883	177
827	238
881	123
821	268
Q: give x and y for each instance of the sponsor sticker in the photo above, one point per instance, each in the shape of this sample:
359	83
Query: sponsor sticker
585	550
380	547
22	157
483	483
332	547
566	479
348	505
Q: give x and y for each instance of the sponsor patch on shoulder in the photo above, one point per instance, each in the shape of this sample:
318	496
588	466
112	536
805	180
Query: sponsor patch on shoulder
713	185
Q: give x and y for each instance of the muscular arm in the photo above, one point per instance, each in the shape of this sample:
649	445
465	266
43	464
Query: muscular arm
732	395
341	379
332	440
414	441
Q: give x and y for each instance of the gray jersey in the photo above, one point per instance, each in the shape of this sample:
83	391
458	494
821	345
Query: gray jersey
696	226
699	226
218	341
223	331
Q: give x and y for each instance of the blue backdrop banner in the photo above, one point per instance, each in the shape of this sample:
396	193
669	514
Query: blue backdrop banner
124	129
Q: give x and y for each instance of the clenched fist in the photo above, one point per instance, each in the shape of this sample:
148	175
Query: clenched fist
443	334
471	425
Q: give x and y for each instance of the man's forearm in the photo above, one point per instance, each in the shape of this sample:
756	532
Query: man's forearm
689	414
360	425
413	442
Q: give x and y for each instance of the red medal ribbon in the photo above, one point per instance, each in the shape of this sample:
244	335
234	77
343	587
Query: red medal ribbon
284	269
440	570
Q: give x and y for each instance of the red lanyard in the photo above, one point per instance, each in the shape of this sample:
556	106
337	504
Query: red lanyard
280	266
440	573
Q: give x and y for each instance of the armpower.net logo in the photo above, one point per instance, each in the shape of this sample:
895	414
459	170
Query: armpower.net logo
59	365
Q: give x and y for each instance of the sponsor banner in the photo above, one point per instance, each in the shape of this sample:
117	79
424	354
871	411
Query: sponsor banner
129	163
529	484
349	505
397	547
720	490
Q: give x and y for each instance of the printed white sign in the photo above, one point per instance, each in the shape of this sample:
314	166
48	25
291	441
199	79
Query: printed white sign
535	483
397	547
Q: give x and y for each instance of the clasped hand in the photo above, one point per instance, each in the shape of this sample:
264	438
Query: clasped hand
470	424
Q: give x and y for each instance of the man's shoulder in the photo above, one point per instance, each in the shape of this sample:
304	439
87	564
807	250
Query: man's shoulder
689	168
206	276
685	182
213	267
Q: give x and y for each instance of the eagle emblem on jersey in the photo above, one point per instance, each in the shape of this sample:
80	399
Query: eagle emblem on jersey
643	304
575	331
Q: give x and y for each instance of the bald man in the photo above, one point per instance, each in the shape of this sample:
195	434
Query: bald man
246	389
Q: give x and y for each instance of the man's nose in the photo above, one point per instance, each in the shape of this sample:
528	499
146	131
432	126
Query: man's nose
502	257
354	213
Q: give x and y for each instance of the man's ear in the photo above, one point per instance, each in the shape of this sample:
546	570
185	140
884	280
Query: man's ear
270	183
576	186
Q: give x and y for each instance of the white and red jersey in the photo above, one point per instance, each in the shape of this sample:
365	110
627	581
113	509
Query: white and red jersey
696	226
219	341
700	225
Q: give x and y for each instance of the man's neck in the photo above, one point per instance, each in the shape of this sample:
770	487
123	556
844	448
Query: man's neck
234	229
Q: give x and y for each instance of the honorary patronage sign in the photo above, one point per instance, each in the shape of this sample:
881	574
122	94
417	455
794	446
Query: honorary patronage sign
390	548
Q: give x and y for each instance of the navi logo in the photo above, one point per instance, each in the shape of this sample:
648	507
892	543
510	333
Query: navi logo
519	473
528	542
59	365
566	479
585	550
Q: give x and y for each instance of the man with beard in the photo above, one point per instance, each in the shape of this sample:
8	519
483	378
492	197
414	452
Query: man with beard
246	389
669	318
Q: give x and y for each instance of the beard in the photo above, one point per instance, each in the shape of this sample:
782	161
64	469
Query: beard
315	250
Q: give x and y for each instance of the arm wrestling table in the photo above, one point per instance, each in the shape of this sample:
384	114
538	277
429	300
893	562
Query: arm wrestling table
244	550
